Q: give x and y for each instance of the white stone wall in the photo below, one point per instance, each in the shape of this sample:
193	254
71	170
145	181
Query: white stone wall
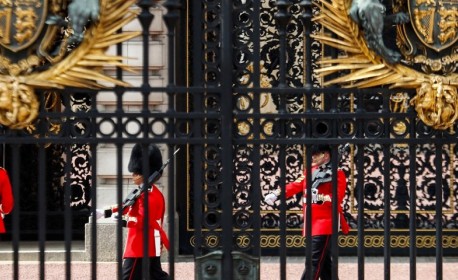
132	102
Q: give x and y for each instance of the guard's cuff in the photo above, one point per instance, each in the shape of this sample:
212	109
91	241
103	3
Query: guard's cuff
277	192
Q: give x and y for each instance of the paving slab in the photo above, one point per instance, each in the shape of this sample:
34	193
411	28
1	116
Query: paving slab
270	269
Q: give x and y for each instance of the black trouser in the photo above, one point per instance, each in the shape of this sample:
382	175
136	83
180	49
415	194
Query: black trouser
321	259
132	269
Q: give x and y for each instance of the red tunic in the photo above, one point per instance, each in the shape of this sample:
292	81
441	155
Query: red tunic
157	236
321	213
6	197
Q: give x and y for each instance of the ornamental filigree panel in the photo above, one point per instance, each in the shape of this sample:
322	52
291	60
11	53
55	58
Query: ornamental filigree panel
277	108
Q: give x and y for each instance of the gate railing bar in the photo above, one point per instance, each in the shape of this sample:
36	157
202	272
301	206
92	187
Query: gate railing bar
386	189
306	17
226	133
17	205
273	141
256	187
119	199
360	190
439	193
197	81
387	212
41	210
145	18
119	92
282	216
341	141
291	91
147	206
413	208
67	210
335	215
182	115
171	211
171	20
308	213
282	17
93	228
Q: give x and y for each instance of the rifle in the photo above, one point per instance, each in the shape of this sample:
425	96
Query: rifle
135	193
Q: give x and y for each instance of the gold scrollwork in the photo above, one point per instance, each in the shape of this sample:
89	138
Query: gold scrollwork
18	104
211	241
344	241
243	241
436	103
244	103
399	103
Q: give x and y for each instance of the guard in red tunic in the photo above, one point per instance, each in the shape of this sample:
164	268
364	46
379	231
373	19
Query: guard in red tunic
322	198
157	238
6	197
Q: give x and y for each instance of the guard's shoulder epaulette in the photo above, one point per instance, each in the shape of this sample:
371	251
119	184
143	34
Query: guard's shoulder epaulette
300	179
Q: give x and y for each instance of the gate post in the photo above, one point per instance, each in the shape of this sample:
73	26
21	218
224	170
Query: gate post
209	266
245	267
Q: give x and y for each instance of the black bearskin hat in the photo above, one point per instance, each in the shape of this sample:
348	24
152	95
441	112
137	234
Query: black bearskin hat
154	159
320	149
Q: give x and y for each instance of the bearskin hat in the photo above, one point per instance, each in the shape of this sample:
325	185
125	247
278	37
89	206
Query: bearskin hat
320	149
136	161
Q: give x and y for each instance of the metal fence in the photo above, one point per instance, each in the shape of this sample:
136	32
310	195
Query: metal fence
244	106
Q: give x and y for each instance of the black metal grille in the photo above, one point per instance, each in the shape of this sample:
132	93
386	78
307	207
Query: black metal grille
245	107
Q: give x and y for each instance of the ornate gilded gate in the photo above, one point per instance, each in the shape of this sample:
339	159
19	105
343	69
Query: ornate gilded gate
273	78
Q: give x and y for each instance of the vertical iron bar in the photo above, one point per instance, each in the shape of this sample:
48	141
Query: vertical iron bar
197	127
360	123
146	220
306	18
439	250
360	198
226	134
119	197
413	210
16	182
171	20
42	209
335	215
282	164
282	18
308	213
387	185
171	212
413	197
93	152
146	19
119	91
256	187
387	212
68	213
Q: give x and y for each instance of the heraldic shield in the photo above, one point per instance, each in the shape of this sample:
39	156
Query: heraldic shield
21	23
435	22
54	44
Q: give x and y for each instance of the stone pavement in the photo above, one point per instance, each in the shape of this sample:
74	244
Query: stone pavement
184	265
270	269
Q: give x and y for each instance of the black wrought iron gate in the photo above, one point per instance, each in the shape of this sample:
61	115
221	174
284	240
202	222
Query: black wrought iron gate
246	102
